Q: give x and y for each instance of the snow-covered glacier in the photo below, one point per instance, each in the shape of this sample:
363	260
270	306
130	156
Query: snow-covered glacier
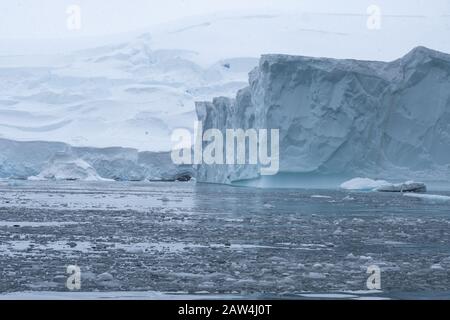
341	119
126	94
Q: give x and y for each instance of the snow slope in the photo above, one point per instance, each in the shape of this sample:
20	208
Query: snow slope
344	117
132	90
126	94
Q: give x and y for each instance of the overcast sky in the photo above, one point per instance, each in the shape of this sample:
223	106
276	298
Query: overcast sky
47	18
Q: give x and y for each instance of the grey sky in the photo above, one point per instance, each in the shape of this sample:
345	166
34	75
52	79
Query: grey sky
47	18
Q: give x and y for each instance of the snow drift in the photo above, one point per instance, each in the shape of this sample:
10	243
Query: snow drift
344	118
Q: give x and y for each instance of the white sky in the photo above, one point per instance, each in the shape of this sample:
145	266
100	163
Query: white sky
47	18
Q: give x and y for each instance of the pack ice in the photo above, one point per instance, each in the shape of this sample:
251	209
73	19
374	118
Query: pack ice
343	118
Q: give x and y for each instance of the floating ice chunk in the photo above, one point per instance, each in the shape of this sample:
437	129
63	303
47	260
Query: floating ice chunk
364	184
315	275
446	261
33	224
105	277
328	296
367	258
432	198
36	178
301	266
409	186
107	295
318	196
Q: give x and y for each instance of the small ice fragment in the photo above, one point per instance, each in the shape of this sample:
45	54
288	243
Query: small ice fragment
105	277
351	256
436	266
318	196
316	275
431	198
367	258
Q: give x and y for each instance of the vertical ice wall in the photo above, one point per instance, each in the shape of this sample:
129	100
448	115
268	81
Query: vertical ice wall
344	117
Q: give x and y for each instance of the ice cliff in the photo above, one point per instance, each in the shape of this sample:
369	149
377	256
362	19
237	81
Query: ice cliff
60	161
64	166
343	118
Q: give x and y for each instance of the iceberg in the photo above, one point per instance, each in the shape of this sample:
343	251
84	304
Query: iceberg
342	118
409	186
364	184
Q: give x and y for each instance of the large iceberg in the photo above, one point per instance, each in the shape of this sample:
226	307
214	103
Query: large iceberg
343	118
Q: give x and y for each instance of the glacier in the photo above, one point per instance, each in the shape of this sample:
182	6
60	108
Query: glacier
37	160
63	166
126	94
341	118
132	89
